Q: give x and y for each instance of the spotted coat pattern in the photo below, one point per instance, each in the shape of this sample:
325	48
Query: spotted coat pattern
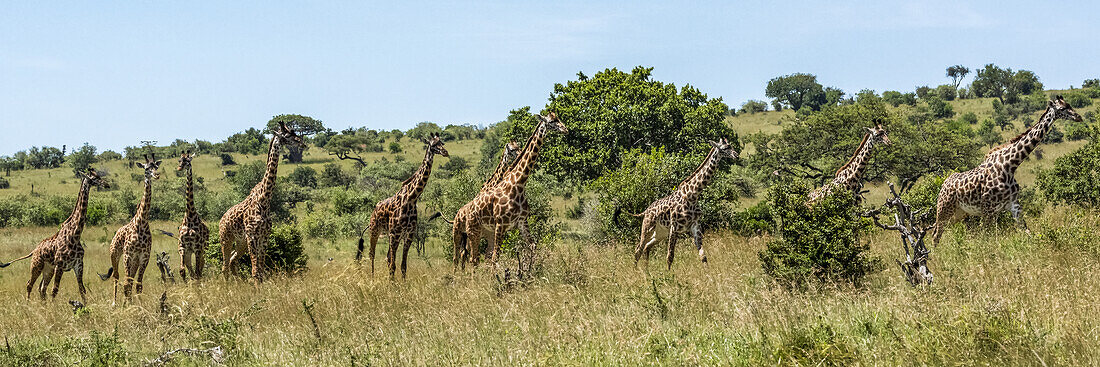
397	214
991	187
194	234
464	224
63	251
850	175
678	213
245	227
133	242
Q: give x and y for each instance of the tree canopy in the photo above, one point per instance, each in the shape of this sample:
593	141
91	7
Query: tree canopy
797	90
304	126
613	112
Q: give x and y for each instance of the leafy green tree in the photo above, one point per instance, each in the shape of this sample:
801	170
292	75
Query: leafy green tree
815	147
251	141
304	176
45	157
833	96
940	108
987	135
946	92
1004	84
395	147
1074	177
1077	99
923	92
348	147
896	98
397	135
753	106
957	73
304	126
83	158
613	112
1090	83
424	130
796	90
109	155
868	96
816	243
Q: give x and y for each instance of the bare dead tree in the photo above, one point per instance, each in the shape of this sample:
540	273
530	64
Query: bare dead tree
909	226
165	269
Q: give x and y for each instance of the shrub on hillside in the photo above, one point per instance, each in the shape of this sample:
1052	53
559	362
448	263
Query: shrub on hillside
946	92
969	118
304	176
816	244
227	160
1077	99
1074	177
4	184
753	106
646	177
895	98
284	253
333	176
939	108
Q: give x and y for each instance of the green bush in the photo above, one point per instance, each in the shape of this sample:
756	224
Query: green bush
819	243
1078	130
4	184
946	92
1077	99
285	252
1074	177
304	176
969	118
939	108
333	176
227	160
754	220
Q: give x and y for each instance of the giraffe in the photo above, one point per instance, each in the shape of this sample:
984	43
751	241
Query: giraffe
63	251
678	213
245	227
193	232
463	224
397	214
504	206
991	187
133	242
849	175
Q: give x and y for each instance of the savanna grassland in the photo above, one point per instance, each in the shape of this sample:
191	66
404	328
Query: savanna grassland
1000	296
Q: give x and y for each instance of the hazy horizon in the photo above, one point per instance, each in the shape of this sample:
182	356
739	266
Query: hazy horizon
115	74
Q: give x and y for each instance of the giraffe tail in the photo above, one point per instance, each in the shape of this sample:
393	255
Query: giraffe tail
110	272
618	211
4	265
440	215
359	251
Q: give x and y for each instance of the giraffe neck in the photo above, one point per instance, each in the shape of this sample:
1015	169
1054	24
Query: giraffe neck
75	224
415	186
143	206
521	170
502	168
190	196
852	170
1018	150
690	188
267	184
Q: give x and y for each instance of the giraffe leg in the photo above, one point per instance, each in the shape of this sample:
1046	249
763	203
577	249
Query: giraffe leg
57	271
185	264
458	238
1018	215
256	246
672	238
375	231
78	271
945	215
391	254
473	246
200	262
36	270
228	245
47	275
131	272
407	239
697	235
498	238
142	266
648	230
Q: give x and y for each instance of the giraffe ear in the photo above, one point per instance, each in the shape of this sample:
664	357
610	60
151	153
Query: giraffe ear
1050	104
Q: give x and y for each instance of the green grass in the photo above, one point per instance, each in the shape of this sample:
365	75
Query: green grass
1000	297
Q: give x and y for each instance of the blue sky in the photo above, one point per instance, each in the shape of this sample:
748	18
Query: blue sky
113	74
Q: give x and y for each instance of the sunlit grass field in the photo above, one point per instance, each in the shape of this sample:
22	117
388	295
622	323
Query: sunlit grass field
1000	296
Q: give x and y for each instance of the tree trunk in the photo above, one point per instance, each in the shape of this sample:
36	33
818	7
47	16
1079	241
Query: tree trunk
295	155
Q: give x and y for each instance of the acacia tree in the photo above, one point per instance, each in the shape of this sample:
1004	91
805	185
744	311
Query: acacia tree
1004	84
797	90
348	147
957	73
304	126
613	112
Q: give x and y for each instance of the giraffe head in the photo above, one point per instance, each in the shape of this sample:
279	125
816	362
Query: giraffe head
150	166
185	160
877	136
511	150
286	136
93	177
435	144
724	148
553	123
1062	110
